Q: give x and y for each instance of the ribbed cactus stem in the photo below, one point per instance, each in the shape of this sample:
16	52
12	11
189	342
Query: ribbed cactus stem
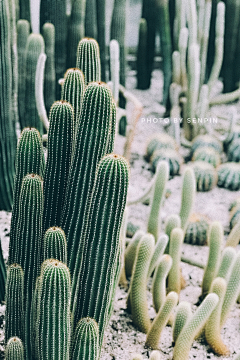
112	128
86	340
227	260
53	311
98	260
183	314
158	251
182	45
204	39
175	250
131	250
173	221
55	245
214	257
234	236
88	60
212	327
14	349
138	286
176	65
157	198
160	321
142	70
188	196
159	281
60	144
14	315
193	326
3	274
114	68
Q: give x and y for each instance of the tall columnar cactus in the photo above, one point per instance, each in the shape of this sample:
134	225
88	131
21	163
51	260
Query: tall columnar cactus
188	196
159	281
48	32
73	90
172	222
175	245
160	321
91	19
92	138
29	159
55	245
183	314
14	315
27	248
3	274
7	126
158	251
112	129
101	34
98	261
193	326
138	286
88	60
214	257
35	46
53	311
227	260
86	340
60	146
14	349
131	250
142	69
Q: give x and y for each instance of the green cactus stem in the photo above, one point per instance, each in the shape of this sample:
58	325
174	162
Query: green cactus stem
55	245
160	321
215	241
142	70
228	258
173	158
88	60
172	222
114	68
53	311
234	236
91	19
29	159
159	141
155	355
130	252
60	143
158	251
188	196
193	326
159	281
183	314
138	286
101	34
14	315
98	260
175	246
86	342
14	349
3	274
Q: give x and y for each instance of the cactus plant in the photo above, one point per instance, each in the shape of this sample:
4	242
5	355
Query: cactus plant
3	274
14	349
98	260
85	342
88	60
183	314
173	158
159	281
228	258
229	176
60	146
197	229
172	222
235	217
155	355
130	252
208	154
234	236
158	251
188	195
142	71
234	151
159	141
175	244
205	175
53	311
14	314
206	140
55	245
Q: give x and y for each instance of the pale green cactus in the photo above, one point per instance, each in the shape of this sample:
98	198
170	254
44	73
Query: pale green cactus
183	314
234	236
208	154
159	281
175	249
188	195
228	258
158	251
155	355
14	349
205	175
55	245
136	357
130	252
173	221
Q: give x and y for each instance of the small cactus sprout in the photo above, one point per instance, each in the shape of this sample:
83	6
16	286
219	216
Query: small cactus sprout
14	349
131	250
55	245
138	285
234	236
229	176
158	251
206	140
159	281
188	196
197	230
175	247
14	314
227	260
53	311
234	151
88	60
173	158
212	327
160	141
205	175
155	355
157	198
86	340
207	154
183	314
160	321
215	241
193	326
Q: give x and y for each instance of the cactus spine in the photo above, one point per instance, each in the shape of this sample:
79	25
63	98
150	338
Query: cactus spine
183	314
53	311
86	342
88	60
97	267
159	281
14	349
60	139
55	245
175	245
188	195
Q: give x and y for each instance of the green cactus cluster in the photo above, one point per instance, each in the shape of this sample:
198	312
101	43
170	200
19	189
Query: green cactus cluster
233	153
159	141
208	154
206	140
205	174
229	176
234	213
197	230
173	158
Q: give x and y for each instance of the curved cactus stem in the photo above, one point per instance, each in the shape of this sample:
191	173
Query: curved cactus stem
175	247
188	196
183	314
228	258
159	281
158	251
234	236
130	252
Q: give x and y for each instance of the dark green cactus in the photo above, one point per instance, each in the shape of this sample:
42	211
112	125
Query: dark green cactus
91	145
160	141
14	349
112	130
206	140
14	314
55	245
208	154
88	60
35	46
48	32
229	176
234	151
60	143
91	19
53	311
86	343
197	229
205	175
24	6
29	159
98	261
7	126
73	90
235	216
101	34
173	158
142	71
